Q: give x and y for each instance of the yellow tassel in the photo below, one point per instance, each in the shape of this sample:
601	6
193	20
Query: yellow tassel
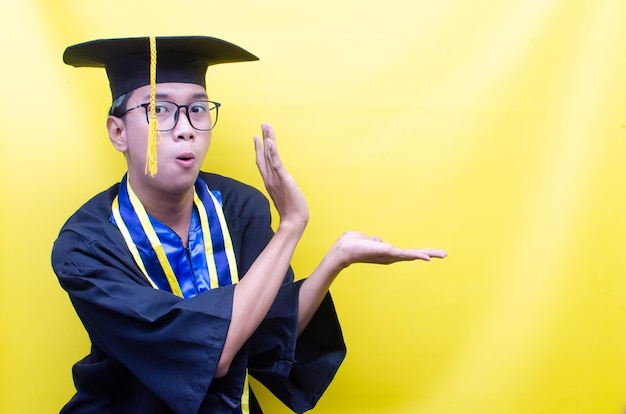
153	125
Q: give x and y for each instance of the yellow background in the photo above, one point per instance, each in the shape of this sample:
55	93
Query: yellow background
495	130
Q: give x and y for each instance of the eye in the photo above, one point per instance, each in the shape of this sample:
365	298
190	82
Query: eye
160	109
198	107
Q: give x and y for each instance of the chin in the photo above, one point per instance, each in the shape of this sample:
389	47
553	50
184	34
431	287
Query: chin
183	182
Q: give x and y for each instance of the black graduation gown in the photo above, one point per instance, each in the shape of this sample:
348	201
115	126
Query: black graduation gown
153	352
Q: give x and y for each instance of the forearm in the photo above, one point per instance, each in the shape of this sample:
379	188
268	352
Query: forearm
316	286
255	293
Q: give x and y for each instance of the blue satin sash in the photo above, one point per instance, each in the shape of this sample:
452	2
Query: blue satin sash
208	263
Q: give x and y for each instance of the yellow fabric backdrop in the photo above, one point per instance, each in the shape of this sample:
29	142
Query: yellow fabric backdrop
495	130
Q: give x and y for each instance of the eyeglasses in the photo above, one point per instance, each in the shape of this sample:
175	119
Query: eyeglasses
202	115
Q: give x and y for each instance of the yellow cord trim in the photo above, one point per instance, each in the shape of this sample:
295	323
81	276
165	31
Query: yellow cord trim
245	397
154	240
228	243
153	126
129	241
208	242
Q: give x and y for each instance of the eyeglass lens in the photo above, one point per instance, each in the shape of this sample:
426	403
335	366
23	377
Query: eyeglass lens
202	115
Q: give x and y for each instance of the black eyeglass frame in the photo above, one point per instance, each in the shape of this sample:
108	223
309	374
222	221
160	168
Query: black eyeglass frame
177	113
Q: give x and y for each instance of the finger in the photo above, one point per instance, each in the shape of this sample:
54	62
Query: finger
427	254
399	256
422	256
260	156
268	136
438	253
268	139
271	150
268	131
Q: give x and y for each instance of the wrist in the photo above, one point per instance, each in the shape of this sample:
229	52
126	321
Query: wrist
338	257
293	227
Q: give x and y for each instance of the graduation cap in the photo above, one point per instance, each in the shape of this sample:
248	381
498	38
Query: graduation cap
131	63
180	59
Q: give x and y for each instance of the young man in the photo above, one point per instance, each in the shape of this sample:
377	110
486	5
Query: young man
176	274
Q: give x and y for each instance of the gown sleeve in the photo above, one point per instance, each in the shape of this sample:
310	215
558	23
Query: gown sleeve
172	346
297	370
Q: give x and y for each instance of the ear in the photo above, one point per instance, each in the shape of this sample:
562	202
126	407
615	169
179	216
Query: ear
117	133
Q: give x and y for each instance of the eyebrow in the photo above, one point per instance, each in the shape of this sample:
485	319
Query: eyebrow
163	96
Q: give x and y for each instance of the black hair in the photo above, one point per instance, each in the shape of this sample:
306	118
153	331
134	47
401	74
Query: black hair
118	107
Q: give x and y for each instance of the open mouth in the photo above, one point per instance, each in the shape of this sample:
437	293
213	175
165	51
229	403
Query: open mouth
186	160
185	157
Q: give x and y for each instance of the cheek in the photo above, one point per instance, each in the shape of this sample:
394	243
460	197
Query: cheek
136	149
201	151
205	146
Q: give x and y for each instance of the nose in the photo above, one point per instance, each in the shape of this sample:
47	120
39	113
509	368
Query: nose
183	129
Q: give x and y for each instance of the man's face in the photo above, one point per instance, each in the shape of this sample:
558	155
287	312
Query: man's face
180	151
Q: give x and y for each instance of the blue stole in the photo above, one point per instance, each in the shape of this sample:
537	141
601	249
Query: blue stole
208	263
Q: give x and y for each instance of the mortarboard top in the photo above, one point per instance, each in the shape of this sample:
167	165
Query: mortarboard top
182	59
